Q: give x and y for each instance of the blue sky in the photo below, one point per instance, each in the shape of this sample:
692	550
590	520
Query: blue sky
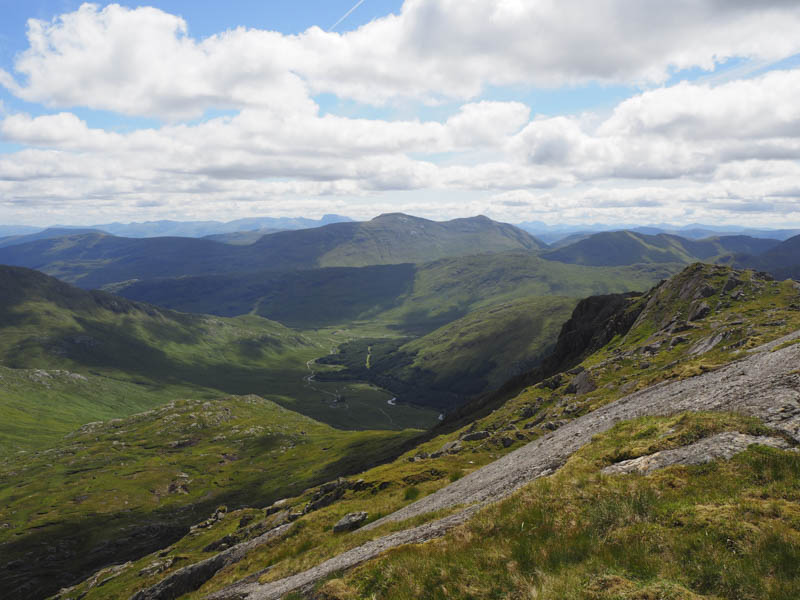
569	112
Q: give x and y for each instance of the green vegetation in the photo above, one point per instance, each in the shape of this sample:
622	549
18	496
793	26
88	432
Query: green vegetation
399	238
448	289
576	534
241	238
304	299
617	248
752	311
95	259
39	407
469	356
392	299
82	356
722	530
135	485
781	261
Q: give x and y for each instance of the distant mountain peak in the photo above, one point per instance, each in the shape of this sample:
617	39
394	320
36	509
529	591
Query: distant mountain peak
397	216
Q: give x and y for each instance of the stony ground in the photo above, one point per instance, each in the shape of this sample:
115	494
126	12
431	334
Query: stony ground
765	384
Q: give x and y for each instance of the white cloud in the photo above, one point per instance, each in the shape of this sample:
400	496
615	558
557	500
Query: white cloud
144	61
684	131
689	151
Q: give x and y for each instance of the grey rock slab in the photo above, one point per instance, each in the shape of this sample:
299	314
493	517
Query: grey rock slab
759	385
765	384
475	436
721	446
346	560
349	522
191	577
582	384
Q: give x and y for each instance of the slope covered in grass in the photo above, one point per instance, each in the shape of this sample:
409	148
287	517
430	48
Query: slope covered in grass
570	533
115	490
144	351
616	248
782	261
468	356
93	260
40	406
409	299
722	530
451	288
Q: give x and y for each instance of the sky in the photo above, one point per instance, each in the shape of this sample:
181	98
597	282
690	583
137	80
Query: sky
559	111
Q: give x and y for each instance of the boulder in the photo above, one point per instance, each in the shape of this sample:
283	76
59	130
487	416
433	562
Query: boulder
474	436
553	382
582	384
350	521
700	312
452	447
678	339
276	506
731	283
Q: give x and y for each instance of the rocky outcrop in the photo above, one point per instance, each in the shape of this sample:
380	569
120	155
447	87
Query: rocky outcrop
191	577
594	322
251	590
582	384
349	522
475	436
721	446
701	311
764	385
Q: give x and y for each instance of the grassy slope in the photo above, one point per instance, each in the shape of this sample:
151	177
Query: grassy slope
94	260
617	248
240	238
451	288
306	298
157	473
503	556
509	337
723	530
141	356
782	260
398	238
468	356
39	407
407	299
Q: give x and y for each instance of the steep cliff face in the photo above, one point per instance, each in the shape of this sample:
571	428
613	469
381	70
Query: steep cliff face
594	322
649	322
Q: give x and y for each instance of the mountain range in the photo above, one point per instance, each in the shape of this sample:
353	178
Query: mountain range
561	234
674	384
616	248
292	413
97	259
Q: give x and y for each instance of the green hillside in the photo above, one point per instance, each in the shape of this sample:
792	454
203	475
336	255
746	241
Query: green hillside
240	238
50	233
409	299
93	260
782	261
468	356
726	529
113	491
398	238
303	299
134	356
616	248
448	289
